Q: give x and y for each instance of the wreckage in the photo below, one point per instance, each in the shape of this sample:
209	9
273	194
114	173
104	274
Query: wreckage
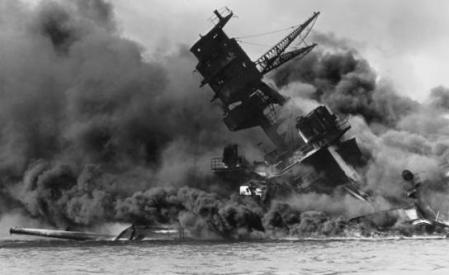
311	152
314	156
131	233
317	140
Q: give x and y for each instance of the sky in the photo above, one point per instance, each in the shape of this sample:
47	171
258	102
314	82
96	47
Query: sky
405	41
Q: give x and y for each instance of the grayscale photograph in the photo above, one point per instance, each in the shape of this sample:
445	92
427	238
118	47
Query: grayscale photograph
224	137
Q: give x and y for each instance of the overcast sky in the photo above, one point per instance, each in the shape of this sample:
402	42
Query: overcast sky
406	41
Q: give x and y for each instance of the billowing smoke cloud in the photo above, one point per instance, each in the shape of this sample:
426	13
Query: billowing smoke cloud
393	131
88	127
347	84
439	97
91	132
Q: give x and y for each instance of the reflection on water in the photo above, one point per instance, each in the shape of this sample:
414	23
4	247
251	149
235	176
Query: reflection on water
411	256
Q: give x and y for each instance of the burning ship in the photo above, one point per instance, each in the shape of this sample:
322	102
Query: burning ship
315	156
311	152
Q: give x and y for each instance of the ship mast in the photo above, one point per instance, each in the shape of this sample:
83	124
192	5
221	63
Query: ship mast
237	81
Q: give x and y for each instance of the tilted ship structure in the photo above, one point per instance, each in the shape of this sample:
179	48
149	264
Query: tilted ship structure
314	156
317	141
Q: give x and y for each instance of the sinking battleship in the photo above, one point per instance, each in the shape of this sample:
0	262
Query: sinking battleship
317	141
314	156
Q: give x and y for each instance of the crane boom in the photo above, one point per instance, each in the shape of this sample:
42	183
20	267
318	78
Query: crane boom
284	57
272	54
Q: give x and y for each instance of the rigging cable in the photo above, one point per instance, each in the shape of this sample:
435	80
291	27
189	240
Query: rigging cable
308	30
252	43
265	33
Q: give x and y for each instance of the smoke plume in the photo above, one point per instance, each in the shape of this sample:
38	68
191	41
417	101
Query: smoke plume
91	132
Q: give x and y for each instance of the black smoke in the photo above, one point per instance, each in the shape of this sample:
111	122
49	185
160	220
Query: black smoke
92	132
346	83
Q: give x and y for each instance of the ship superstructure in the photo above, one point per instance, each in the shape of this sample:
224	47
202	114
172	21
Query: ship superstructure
248	101
237	80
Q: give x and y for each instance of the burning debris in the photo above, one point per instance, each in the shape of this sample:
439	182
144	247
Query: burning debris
92	133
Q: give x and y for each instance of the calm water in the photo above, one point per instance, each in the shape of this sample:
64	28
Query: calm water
277	257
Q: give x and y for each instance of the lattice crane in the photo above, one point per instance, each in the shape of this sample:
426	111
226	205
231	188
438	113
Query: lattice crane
275	56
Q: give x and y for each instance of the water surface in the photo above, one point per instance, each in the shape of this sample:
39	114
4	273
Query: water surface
392	256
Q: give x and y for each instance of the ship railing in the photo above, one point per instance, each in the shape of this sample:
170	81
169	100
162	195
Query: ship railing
297	156
217	164
329	136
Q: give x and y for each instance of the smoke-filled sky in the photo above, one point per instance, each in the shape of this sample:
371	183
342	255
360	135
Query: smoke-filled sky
97	128
405	41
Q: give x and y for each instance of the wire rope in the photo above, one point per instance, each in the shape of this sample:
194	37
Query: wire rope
265	33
